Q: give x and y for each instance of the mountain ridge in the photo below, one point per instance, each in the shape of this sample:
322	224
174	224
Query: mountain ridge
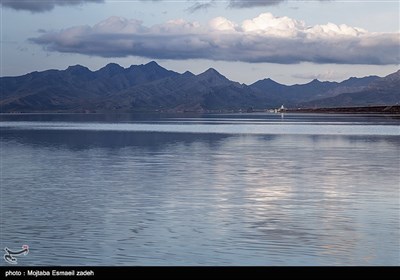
150	87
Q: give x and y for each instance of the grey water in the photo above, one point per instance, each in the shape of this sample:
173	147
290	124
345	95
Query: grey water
228	189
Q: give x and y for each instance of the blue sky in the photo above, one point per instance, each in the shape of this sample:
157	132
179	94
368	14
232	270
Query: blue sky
288	41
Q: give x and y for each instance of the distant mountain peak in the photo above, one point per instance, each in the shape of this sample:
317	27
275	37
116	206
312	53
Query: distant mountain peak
111	69
212	77
188	74
315	81
113	65
270	81
267	85
76	67
211	72
78	70
151	66
152	63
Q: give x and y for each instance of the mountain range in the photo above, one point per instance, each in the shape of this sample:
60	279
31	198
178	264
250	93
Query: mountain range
151	87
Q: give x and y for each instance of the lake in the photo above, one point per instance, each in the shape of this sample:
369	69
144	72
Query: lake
228	189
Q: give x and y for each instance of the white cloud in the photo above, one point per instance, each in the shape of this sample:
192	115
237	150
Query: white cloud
265	38
41	5
267	24
327	75
222	24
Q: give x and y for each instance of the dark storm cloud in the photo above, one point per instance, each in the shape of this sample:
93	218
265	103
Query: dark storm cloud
257	3
242	3
200	6
38	6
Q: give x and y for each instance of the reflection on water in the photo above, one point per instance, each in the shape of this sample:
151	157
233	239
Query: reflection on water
101	197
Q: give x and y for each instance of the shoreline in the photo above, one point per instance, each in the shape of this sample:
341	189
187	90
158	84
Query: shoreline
395	109
392	110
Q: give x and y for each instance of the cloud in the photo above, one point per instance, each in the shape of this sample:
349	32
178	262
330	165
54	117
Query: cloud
200	6
265	38
247	4
204	5
240	3
327	75
38	6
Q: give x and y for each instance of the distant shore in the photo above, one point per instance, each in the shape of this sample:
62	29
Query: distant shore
393	110
350	110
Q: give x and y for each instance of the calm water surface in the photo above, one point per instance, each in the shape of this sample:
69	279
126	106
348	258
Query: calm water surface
244	189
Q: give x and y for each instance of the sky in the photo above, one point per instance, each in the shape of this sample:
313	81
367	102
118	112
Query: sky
288	41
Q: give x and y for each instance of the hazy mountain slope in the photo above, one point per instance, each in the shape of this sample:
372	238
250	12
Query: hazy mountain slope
382	91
